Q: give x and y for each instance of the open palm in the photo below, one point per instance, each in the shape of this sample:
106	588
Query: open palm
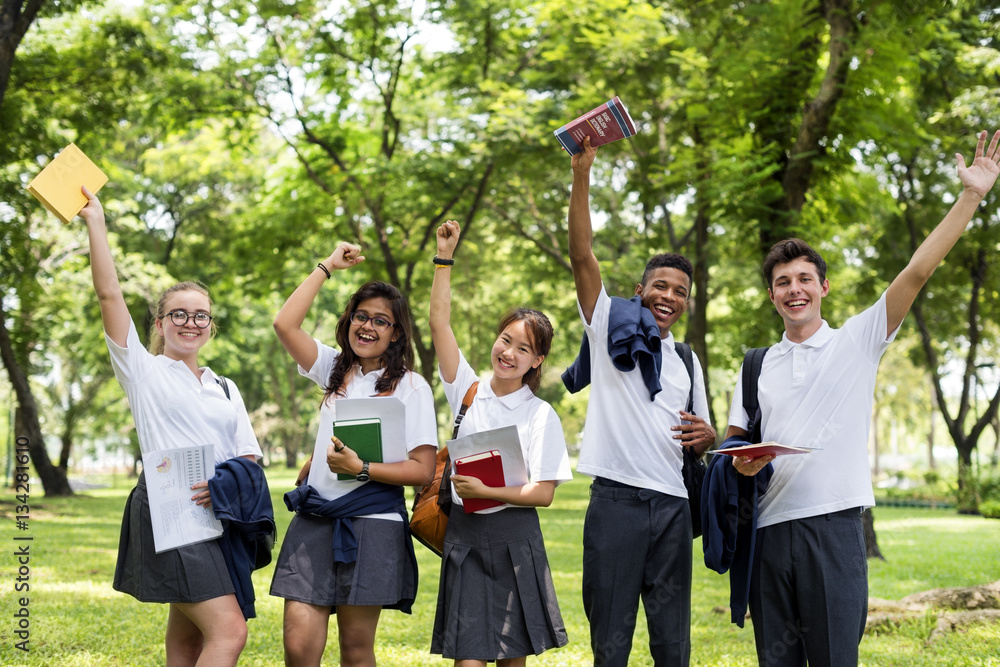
982	174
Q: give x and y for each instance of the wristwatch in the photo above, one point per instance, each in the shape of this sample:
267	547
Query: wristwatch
363	475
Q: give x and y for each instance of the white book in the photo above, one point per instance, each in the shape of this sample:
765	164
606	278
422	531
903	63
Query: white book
505	440
390	411
177	520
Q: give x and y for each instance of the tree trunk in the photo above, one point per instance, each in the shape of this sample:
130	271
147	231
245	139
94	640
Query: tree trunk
66	445
995	456
15	19
697	328
968	494
871	540
291	453
26	422
931	463
816	114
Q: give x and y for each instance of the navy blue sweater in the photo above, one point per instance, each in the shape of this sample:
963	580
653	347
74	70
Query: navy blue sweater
370	498
633	340
242	502
729	523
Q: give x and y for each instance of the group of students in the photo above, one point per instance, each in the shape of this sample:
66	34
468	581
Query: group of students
496	600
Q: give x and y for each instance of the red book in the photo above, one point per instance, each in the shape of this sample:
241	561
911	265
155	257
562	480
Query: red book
608	122
763	449
487	467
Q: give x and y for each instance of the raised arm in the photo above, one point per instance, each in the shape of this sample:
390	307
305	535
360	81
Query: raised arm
114	312
586	270
443	336
977	180
288	322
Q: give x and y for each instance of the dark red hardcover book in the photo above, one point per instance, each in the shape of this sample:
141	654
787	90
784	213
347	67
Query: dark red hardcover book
608	122
487	467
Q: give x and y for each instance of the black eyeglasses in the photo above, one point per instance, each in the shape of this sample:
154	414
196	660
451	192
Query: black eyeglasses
180	318
378	323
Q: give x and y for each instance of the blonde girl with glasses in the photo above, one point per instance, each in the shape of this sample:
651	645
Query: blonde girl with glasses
175	402
319	571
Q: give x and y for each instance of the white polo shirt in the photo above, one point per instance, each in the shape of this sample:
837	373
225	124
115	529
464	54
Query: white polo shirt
538	426
819	393
627	437
412	390
172	408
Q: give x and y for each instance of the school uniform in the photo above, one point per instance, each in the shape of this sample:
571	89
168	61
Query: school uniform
383	572
173	408
637	530
496	598
809	583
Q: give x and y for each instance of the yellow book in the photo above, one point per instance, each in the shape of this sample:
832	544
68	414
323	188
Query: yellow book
58	185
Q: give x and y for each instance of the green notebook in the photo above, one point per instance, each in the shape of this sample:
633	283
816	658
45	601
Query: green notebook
364	436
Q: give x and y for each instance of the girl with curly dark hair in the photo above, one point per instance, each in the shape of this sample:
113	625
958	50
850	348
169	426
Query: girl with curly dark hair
371	565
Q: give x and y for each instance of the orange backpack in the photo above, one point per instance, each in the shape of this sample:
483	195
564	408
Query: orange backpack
432	504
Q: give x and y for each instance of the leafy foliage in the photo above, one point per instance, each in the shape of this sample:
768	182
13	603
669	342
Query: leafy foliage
244	139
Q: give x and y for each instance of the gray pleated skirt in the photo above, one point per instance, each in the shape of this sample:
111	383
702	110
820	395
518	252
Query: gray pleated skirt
496	598
193	573
382	576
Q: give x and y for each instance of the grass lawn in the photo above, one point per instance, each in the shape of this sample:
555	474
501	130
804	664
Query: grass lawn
76	619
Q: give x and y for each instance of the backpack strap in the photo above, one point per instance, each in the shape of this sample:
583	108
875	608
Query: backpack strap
684	352
470	395
753	361
221	379
444	492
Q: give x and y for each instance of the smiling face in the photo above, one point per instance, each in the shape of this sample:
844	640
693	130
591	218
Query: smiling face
367	342
183	342
666	295
513	355
797	293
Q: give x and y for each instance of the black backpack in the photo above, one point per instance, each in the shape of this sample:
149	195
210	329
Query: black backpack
694	468
693	471
753	360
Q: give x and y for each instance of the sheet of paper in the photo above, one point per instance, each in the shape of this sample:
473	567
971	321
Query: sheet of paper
391	411
505	440
178	520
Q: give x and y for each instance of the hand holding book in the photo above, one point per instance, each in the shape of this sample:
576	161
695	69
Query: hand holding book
359	440
608	122
58	186
473	474
764	449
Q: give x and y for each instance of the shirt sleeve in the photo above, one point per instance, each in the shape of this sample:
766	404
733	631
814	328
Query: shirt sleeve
326	356
245	440
421	419
548	458
455	391
700	406
867	328
737	415
598	327
131	362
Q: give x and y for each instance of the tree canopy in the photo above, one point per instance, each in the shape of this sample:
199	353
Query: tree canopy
244	139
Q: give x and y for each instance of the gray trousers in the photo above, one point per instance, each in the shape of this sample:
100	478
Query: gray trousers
809	591
637	544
